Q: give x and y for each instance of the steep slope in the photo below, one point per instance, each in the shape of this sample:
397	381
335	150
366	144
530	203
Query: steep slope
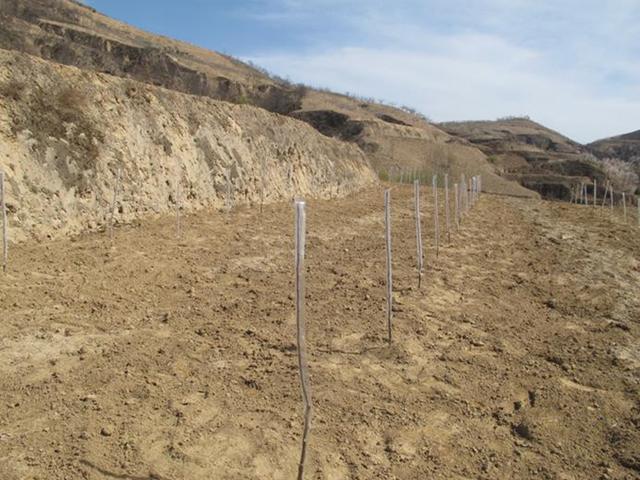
65	132
625	147
73	34
536	156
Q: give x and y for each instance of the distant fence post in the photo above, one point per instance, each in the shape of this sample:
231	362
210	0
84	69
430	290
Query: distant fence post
387	236
611	198
5	240
446	206
302	349
416	193
436	220
263	175
178	226
595	191
624	206
116	187
228	195
456	201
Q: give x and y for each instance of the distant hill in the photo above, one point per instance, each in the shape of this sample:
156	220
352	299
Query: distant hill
393	139
625	147
538	157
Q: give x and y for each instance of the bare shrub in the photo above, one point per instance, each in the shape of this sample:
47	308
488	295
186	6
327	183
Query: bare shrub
622	174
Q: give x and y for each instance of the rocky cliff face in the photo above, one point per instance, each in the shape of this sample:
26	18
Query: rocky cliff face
65	133
537	157
625	147
73	34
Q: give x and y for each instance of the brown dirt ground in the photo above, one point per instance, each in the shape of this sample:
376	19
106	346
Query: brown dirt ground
159	359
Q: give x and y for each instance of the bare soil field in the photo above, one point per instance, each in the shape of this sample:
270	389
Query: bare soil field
158	358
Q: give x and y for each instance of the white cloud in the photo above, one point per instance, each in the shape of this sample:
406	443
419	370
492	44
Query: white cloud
574	66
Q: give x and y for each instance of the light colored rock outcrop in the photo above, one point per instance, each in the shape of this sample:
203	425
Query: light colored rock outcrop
64	133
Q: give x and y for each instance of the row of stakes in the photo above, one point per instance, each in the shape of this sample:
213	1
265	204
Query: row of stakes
580	196
465	196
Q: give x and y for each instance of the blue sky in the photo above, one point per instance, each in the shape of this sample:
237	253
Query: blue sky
573	65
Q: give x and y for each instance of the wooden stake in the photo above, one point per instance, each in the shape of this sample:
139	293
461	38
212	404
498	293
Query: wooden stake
387	236
178	226
624	206
5	240
416	194
595	191
434	184
116	187
302	349
263	174
456	201
611	198
446	206
228	199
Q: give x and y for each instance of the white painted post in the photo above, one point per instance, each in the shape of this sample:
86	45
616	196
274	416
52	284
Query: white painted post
302	349
463	186
263	175
446	206
434	184
387	236
611	198
116	187
456	200
416	194
228	199
5	240
178	226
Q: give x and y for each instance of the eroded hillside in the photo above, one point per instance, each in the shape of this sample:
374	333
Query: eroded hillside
65	133
73	34
536	156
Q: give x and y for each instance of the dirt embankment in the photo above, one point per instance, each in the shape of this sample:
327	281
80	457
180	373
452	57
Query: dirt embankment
69	33
158	359
64	133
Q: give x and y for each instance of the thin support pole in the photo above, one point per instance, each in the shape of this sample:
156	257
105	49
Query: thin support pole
446	207
5	240
178	225
387	236
416	193
228	196
434	185
116	188
595	192
456	200
302	349
624	206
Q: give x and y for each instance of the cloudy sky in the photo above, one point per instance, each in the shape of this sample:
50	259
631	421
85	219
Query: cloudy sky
573	65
